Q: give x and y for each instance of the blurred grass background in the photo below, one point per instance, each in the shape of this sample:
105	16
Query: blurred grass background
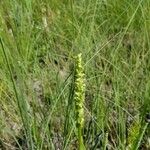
39	39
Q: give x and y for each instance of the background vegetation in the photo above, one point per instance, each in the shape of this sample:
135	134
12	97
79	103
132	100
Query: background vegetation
39	39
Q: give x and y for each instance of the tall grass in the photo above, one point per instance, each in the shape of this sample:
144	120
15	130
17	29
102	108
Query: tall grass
39	40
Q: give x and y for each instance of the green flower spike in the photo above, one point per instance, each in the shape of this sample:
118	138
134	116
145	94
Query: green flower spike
79	96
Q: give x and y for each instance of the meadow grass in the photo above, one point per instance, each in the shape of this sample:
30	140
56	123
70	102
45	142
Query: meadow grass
38	42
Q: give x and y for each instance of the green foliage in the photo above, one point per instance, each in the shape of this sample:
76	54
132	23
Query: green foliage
39	39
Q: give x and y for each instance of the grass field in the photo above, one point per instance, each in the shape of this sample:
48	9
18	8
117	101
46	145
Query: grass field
39	41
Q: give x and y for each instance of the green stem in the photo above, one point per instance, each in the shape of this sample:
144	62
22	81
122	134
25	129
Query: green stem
80	138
